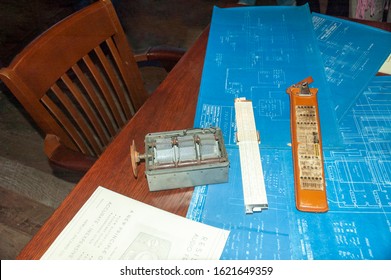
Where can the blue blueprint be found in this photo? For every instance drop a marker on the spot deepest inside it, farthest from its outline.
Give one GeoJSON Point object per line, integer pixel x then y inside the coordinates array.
{"type": "Point", "coordinates": [257, 53]}
{"type": "Point", "coordinates": [352, 53]}
{"type": "Point", "coordinates": [358, 170]}
{"type": "Point", "coordinates": [358, 178]}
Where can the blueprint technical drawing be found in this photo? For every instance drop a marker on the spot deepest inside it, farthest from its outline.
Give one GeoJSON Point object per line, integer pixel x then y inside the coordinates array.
{"type": "Point", "coordinates": [358, 182]}
{"type": "Point", "coordinates": [357, 165]}
{"type": "Point", "coordinates": [352, 53]}
{"type": "Point", "coordinates": [358, 179]}
{"type": "Point", "coordinates": [257, 53]}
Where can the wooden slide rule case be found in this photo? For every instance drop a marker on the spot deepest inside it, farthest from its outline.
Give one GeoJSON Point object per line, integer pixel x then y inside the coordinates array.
{"type": "Point", "coordinates": [310, 188]}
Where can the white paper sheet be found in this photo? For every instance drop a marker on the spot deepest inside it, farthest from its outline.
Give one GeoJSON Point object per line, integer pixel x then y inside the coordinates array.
{"type": "Point", "coordinates": [113, 226]}
{"type": "Point", "coordinates": [386, 67]}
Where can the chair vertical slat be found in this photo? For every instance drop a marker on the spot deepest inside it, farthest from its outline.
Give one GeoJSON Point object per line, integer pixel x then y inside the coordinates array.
{"type": "Point", "coordinates": [77, 117]}
{"type": "Point", "coordinates": [124, 76]}
{"type": "Point", "coordinates": [85, 105]}
{"type": "Point", "coordinates": [115, 81]}
{"type": "Point", "coordinates": [105, 90]}
{"type": "Point", "coordinates": [95, 99]}
{"type": "Point", "coordinates": [67, 124]}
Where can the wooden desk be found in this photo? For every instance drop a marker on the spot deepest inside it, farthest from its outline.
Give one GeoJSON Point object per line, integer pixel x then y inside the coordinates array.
{"type": "Point", "coordinates": [172, 106]}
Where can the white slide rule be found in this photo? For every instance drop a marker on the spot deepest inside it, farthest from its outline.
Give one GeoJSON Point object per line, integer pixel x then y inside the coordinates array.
{"type": "Point", "coordinates": [253, 182]}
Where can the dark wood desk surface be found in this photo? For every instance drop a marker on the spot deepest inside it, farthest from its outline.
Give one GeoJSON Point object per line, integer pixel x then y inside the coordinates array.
{"type": "Point", "coordinates": [172, 106]}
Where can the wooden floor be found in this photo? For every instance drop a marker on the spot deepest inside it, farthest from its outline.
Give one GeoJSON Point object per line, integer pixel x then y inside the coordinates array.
{"type": "Point", "coordinates": [29, 191]}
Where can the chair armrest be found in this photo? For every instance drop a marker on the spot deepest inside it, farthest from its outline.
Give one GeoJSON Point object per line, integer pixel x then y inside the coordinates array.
{"type": "Point", "coordinates": [65, 158]}
{"type": "Point", "coordinates": [160, 56]}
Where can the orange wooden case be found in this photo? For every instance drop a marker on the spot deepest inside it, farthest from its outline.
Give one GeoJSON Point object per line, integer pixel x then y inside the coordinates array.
{"type": "Point", "coordinates": [310, 187]}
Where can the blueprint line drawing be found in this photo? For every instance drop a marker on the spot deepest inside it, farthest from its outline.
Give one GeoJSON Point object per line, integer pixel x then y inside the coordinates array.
{"type": "Point", "coordinates": [257, 54]}
{"type": "Point", "coordinates": [358, 224]}
{"type": "Point", "coordinates": [360, 174]}
{"type": "Point", "coordinates": [247, 57]}
{"type": "Point", "coordinates": [352, 53]}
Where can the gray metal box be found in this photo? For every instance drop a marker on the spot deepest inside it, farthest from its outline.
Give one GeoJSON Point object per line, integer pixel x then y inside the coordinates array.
{"type": "Point", "coordinates": [185, 158]}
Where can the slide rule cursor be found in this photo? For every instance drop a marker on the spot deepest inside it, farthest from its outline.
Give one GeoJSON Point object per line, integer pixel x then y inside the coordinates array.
{"type": "Point", "coordinates": [310, 187]}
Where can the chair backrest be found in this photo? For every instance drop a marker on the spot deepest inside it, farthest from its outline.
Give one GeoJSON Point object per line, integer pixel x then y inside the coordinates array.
{"type": "Point", "coordinates": [79, 80]}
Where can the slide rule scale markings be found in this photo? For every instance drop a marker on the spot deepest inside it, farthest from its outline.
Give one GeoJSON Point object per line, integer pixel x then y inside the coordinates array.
{"type": "Point", "coordinates": [253, 182]}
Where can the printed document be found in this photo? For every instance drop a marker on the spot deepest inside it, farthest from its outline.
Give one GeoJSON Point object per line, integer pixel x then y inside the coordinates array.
{"type": "Point", "coordinates": [113, 226]}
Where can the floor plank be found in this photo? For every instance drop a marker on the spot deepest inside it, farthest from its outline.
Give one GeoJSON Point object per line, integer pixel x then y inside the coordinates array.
{"type": "Point", "coordinates": [11, 242]}
{"type": "Point", "coordinates": [21, 213]}
{"type": "Point", "coordinates": [32, 183]}
{"type": "Point", "coordinates": [19, 138]}
{"type": "Point", "coordinates": [20, 219]}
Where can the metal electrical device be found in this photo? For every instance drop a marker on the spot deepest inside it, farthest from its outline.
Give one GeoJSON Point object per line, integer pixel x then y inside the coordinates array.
{"type": "Point", "coordinates": [310, 187]}
{"type": "Point", "coordinates": [183, 158]}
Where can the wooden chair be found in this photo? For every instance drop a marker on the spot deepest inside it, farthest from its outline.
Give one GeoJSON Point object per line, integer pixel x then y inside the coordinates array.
{"type": "Point", "coordinates": [80, 83]}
